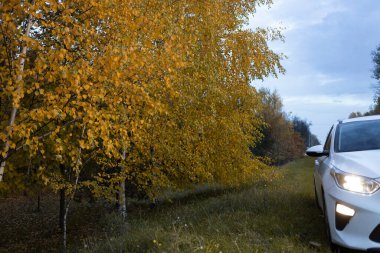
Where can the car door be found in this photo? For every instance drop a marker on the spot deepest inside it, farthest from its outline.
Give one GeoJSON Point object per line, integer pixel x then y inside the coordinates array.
{"type": "Point", "coordinates": [321, 166]}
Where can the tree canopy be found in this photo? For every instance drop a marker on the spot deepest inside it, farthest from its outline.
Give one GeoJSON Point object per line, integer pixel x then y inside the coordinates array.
{"type": "Point", "coordinates": [284, 138]}
{"type": "Point", "coordinates": [159, 89]}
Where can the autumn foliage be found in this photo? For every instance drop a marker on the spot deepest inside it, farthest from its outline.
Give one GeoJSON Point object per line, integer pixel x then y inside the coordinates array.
{"type": "Point", "coordinates": [281, 142]}
{"type": "Point", "coordinates": [155, 92]}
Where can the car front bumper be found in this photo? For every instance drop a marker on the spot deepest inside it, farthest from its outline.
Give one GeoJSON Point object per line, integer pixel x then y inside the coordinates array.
{"type": "Point", "coordinates": [362, 230]}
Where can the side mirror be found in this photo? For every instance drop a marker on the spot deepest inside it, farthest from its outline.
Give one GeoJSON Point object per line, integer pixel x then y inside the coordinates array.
{"type": "Point", "coordinates": [316, 151]}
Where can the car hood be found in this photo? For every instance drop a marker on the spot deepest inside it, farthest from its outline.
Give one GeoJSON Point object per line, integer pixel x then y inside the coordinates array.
{"type": "Point", "coordinates": [364, 163]}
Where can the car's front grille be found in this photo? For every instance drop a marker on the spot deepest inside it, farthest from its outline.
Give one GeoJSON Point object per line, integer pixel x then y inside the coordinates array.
{"type": "Point", "coordinates": [375, 234]}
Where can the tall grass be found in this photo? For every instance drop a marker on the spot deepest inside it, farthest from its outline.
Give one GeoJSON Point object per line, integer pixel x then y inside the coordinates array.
{"type": "Point", "coordinates": [276, 216]}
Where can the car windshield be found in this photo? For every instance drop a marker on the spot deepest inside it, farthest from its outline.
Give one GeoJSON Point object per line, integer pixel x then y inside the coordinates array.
{"type": "Point", "coordinates": [358, 136]}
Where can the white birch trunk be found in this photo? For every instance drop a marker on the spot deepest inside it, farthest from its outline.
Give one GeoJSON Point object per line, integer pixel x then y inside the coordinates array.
{"type": "Point", "coordinates": [12, 117]}
{"type": "Point", "coordinates": [122, 199]}
{"type": "Point", "coordinates": [79, 163]}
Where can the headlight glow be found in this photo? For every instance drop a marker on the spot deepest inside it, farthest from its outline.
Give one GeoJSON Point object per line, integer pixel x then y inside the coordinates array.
{"type": "Point", "coordinates": [345, 210]}
{"type": "Point", "coordinates": [355, 183]}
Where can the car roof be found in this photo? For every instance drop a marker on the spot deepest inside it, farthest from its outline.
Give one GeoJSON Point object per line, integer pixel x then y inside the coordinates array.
{"type": "Point", "coordinates": [364, 118]}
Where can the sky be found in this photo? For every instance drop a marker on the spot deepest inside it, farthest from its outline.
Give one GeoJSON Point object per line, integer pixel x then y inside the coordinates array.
{"type": "Point", "coordinates": [328, 44]}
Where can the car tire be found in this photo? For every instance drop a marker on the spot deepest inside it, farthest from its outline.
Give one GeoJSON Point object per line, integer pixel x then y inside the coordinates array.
{"type": "Point", "coordinates": [334, 248]}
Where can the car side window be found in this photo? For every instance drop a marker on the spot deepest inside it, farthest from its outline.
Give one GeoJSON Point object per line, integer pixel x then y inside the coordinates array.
{"type": "Point", "coordinates": [327, 145]}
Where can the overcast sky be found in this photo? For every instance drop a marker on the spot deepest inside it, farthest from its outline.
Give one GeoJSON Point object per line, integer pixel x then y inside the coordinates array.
{"type": "Point", "coordinates": [329, 45]}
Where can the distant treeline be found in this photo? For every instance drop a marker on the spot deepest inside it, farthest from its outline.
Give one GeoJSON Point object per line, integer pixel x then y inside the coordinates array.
{"type": "Point", "coordinates": [375, 108]}
{"type": "Point", "coordinates": [284, 137]}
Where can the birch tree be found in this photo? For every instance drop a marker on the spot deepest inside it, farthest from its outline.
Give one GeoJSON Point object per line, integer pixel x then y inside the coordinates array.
{"type": "Point", "coordinates": [161, 89]}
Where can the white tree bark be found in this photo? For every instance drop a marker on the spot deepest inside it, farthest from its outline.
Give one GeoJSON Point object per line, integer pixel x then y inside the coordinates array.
{"type": "Point", "coordinates": [77, 172]}
{"type": "Point", "coordinates": [122, 199]}
{"type": "Point", "coordinates": [12, 117]}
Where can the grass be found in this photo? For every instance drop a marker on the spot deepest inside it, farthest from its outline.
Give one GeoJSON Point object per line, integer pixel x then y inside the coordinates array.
{"type": "Point", "coordinates": [279, 216]}
{"type": "Point", "coordinates": [25, 229]}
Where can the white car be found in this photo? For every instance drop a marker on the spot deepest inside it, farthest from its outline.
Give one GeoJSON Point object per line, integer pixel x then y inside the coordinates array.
{"type": "Point", "coordinates": [347, 183]}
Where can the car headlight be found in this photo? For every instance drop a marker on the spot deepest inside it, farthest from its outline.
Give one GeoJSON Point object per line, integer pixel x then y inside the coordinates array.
{"type": "Point", "coordinates": [355, 183]}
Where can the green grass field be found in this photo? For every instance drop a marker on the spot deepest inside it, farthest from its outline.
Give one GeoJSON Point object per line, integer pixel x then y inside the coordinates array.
{"type": "Point", "coordinates": [279, 216]}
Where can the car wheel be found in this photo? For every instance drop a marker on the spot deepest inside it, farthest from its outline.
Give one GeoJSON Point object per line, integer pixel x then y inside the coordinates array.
{"type": "Point", "coordinates": [334, 248]}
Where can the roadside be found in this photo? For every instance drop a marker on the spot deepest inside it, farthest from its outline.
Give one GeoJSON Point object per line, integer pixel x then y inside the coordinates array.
{"type": "Point", "coordinates": [276, 216]}
{"type": "Point", "coordinates": [279, 216]}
